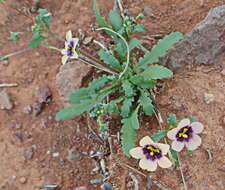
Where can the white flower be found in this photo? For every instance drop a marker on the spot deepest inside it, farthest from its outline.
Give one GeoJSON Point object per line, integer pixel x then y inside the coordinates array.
{"type": "Point", "coordinates": [185, 134]}
{"type": "Point", "coordinates": [151, 154]}
{"type": "Point", "coordinates": [70, 48]}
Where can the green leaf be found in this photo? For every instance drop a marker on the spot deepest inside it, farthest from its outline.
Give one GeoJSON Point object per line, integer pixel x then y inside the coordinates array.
{"type": "Point", "coordinates": [80, 95]}
{"type": "Point", "coordinates": [172, 120]}
{"type": "Point", "coordinates": [110, 60]}
{"type": "Point", "coordinates": [36, 41]}
{"type": "Point", "coordinates": [44, 18]}
{"type": "Point", "coordinates": [146, 103]}
{"type": "Point", "coordinates": [126, 107]}
{"type": "Point", "coordinates": [156, 137]}
{"type": "Point", "coordinates": [121, 49]}
{"type": "Point", "coordinates": [115, 20]}
{"type": "Point", "coordinates": [134, 42]}
{"type": "Point", "coordinates": [193, 119]}
{"type": "Point", "coordinates": [74, 111]}
{"type": "Point", "coordinates": [141, 82]}
{"type": "Point", "coordinates": [139, 28]}
{"type": "Point", "coordinates": [4, 58]}
{"type": "Point", "coordinates": [159, 50]}
{"type": "Point", "coordinates": [112, 107]}
{"type": "Point", "coordinates": [99, 18]}
{"type": "Point", "coordinates": [174, 157]}
{"type": "Point", "coordinates": [128, 89]}
{"type": "Point", "coordinates": [128, 137]}
{"type": "Point", "coordinates": [157, 72]}
{"type": "Point", "coordinates": [190, 152]}
{"type": "Point", "coordinates": [129, 131]}
{"type": "Point", "coordinates": [98, 83]}
{"type": "Point", "coordinates": [14, 36]}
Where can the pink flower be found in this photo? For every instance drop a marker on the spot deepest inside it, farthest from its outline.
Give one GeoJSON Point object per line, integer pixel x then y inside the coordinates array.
{"type": "Point", "coordinates": [185, 134]}
{"type": "Point", "coordinates": [151, 154]}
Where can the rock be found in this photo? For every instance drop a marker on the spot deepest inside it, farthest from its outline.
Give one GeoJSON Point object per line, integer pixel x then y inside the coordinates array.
{"type": "Point", "coordinates": [87, 40]}
{"type": "Point", "coordinates": [38, 108]}
{"type": "Point", "coordinates": [18, 136]}
{"type": "Point", "coordinates": [106, 186]}
{"type": "Point", "coordinates": [72, 154]}
{"type": "Point", "coordinates": [5, 102]}
{"type": "Point", "coordinates": [23, 180]}
{"type": "Point", "coordinates": [70, 78]}
{"type": "Point", "coordinates": [28, 109]}
{"type": "Point", "coordinates": [148, 11]}
{"type": "Point", "coordinates": [224, 120]}
{"type": "Point", "coordinates": [43, 94]}
{"type": "Point", "coordinates": [205, 44]}
{"type": "Point", "coordinates": [16, 125]}
{"type": "Point", "coordinates": [81, 188]}
{"type": "Point", "coordinates": [208, 98]}
{"type": "Point", "coordinates": [28, 154]}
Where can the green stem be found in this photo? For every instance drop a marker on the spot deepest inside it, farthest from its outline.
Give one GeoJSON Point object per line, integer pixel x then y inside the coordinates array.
{"type": "Point", "coordinates": [127, 46]}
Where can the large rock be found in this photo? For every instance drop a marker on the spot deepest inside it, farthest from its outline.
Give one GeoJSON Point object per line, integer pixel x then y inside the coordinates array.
{"type": "Point", "coordinates": [204, 45]}
{"type": "Point", "coordinates": [70, 78]}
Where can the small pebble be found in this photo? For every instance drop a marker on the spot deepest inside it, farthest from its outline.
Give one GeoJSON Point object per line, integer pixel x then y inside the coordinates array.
{"type": "Point", "coordinates": [18, 136]}
{"type": "Point", "coordinates": [148, 11]}
{"type": "Point", "coordinates": [81, 188]}
{"type": "Point", "coordinates": [28, 109]}
{"type": "Point", "coordinates": [208, 98]}
{"type": "Point", "coordinates": [96, 181]}
{"type": "Point", "coordinates": [55, 154]}
{"type": "Point", "coordinates": [23, 180]}
{"type": "Point", "coordinates": [223, 72]}
{"type": "Point", "coordinates": [28, 154]}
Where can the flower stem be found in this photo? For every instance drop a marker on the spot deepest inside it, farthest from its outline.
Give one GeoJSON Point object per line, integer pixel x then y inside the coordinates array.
{"type": "Point", "coordinates": [16, 53]}
{"type": "Point", "coordinates": [127, 46]}
{"type": "Point", "coordinates": [7, 4]}
{"type": "Point", "coordinates": [181, 171]}
{"type": "Point", "coordinates": [95, 64]}
{"type": "Point", "coordinates": [160, 121]}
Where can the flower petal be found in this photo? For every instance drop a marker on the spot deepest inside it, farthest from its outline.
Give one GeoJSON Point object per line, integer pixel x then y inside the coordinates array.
{"type": "Point", "coordinates": [75, 41]}
{"type": "Point", "coordinates": [194, 143]}
{"type": "Point", "coordinates": [148, 164]}
{"type": "Point", "coordinates": [69, 36]}
{"type": "Point", "coordinates": [146, 140]}
{"type": "Point", "coordinates": [183, 123]}
{"type": "Point", "coordinates": [63, 51]}
{"type": "Point", "coordinates": [178, 146]}
{"type": "Point", "coordinates": [164, 162]}
{"type": "Point", "coordinates": [163, 147]}
{"type": "Point", "coordinates": [197, 127]}
{"type": "Point", "coordinates": [64, 59]}
{"type": "Point", "coordinates": [172, 133]}
{"type": "Point", "coordinates": [137, 153]}
{"type": "Point", "coordinates": [75, 55]}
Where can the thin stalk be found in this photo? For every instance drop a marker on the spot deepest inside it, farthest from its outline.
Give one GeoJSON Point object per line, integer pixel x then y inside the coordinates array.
{"type": "Point", "coordinates": [160, 121]}
{"type": "Point", "coordinates": [7, 4]}
{"type": "Point", "coordinates": [127, 46]}
{"type": "Point", "coordinates": [16, 53]}
{"type": "Point", "coordinates": [96, 65]}
{"type": "Point", "coordinates": [182, 174]}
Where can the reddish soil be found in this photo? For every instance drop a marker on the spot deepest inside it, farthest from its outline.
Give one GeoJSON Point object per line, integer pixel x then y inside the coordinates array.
{"type": "Point", "coordinates": [183, 95]}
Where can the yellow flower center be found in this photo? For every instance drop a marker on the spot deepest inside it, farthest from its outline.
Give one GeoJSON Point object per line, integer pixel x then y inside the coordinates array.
{"type": "Point", "coordinates": [153, 150]}
{"type": "Point", "coordinates": [183, 134]}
